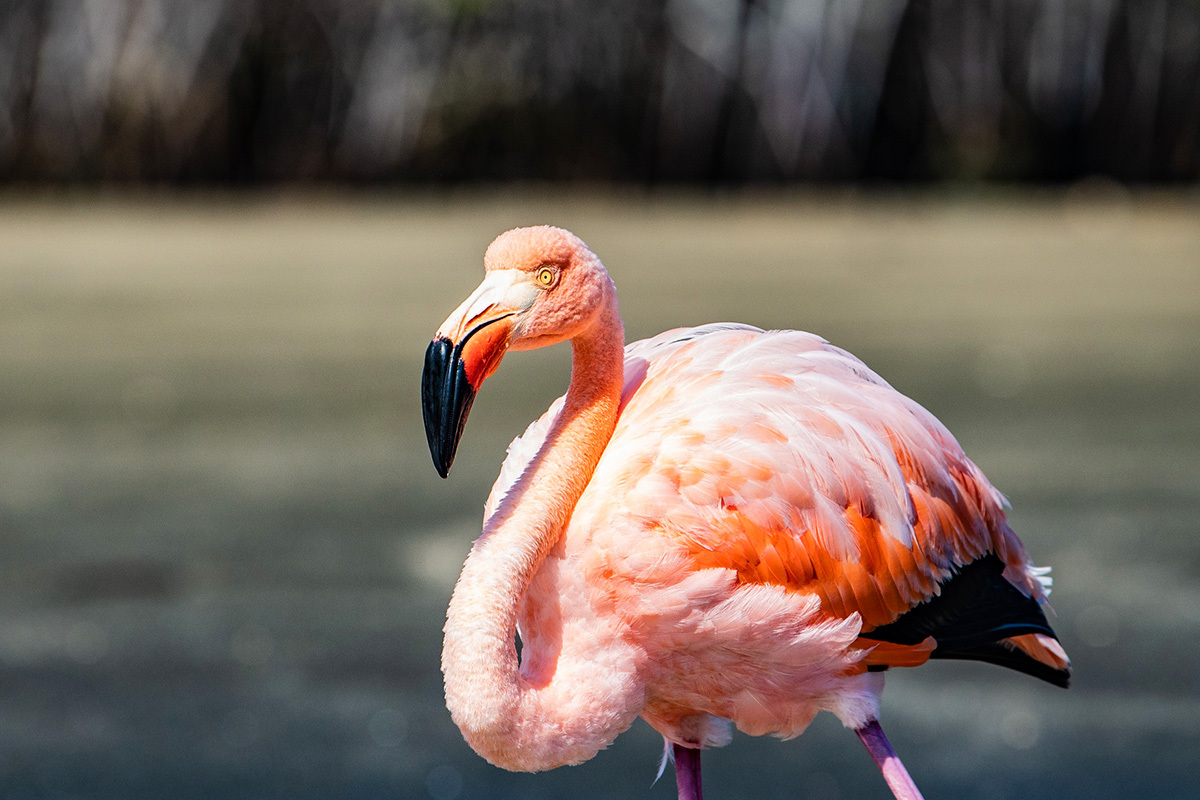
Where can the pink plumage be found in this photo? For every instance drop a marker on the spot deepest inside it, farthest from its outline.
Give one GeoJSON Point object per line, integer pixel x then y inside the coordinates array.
{"type": "Point", "coordinates": [716, 527]}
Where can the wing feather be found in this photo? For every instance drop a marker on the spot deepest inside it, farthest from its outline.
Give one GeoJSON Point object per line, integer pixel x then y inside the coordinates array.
{"type": "Point", "coordinates": [787, 460]}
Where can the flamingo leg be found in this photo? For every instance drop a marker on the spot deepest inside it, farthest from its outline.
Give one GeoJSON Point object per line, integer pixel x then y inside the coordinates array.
{"type": "Point", "coordinates": [897, 777]}
{"type": "Point", "coordinates": [687, 773]}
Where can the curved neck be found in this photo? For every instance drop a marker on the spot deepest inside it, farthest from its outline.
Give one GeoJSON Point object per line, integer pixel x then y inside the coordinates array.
{"type": "Point", "coordinates": [504, 717]}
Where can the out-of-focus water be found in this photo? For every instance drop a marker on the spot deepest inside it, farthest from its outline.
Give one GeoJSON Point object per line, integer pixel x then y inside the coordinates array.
{"type": "Point", "coordinates": [226, 554]}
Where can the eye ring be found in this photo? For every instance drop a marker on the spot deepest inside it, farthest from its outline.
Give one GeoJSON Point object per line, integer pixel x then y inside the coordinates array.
{"type": "Point", "coordinates": [546, 277]}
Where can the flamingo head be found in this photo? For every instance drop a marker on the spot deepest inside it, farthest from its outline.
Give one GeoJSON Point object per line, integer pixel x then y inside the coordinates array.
{"type": "Point", "coordinates": [542, 286]}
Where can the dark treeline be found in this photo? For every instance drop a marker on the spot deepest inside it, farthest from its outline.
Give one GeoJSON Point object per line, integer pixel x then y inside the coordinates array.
{"type": "Point", "coordinates": [247, 91]}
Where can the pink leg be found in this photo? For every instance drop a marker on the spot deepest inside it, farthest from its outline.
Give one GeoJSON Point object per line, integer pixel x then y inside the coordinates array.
{"type": "Point", "coordinates": [894, 773]}
{"type": "Point", "coordinates": [687, 773]}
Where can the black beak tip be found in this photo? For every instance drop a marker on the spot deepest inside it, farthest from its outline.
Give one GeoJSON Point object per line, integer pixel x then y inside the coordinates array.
{"type": "Point", "coordinates": [443, 470]}
{"type": "Point", "coordinates": [446, 398]}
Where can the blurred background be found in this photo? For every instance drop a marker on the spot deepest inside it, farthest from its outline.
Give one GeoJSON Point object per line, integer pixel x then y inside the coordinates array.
{"type": "Point", "coordinates": [229, 228]}
{"type": "Point", "coordinates": [645, 91]}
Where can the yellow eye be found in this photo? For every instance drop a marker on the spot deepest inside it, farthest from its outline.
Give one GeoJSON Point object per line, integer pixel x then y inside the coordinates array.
{"type": "Point", "coordinates": [546, 277]}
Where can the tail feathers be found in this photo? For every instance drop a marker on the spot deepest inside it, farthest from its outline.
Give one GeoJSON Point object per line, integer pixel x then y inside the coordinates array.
{"type": "Point", "coordinates": [979, 615]}
{"type": "Point", "coordinates": [1045, 649]}
{"type": "Point", "coordinates": [1055, 669]}
{"type": "Point", "coordinates": [882, 655]}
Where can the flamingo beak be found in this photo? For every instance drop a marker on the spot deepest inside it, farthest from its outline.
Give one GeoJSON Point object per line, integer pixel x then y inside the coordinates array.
{"type": "Point", "coordinates": [466, 350]}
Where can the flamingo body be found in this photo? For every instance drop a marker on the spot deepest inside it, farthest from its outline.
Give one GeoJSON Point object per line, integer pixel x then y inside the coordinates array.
{"type": "Point", "coordinates": [765, 497]}
{"type": "Point", "coordinates": [717, 526]}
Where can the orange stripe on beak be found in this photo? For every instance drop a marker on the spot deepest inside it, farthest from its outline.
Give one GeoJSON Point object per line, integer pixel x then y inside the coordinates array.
{"type": "Point", "coordinates": [483, 349]}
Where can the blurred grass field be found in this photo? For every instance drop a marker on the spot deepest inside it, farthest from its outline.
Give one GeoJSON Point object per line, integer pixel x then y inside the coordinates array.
{"type": "Point", "coordinates": [227, 554]}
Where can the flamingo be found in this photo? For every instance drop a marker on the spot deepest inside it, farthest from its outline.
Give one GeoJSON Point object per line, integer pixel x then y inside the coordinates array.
{"type": "Point", "coordinates": [719, 526]}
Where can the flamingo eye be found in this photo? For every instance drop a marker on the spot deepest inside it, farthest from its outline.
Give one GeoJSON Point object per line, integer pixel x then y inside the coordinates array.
{"type": "Point", "coordinates": [546, 277]}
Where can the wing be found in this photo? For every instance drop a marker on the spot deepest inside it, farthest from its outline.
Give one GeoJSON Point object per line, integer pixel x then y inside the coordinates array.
{"type": "Point", "coordinates": [787, 460]}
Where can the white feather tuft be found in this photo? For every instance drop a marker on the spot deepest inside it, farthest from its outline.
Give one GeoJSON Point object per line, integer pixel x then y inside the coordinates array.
{"type": "Point", "coordinates": [667, 756]}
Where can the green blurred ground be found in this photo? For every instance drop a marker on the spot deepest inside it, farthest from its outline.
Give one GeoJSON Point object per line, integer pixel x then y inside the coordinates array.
{"type": "Point", "coordinates": [226, 554]}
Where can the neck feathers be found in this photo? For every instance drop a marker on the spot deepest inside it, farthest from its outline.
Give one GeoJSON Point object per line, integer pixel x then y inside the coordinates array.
{"type": "Point", "coordinates": [503, 717]}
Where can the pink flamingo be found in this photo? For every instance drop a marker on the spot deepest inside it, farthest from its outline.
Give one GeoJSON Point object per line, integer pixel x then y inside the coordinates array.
{"type": "Point", "coordinates": [717, 526]}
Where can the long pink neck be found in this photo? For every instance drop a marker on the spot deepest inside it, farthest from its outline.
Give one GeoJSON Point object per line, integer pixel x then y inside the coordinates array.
{"type": "Point", "coordinates": [506, 718]}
